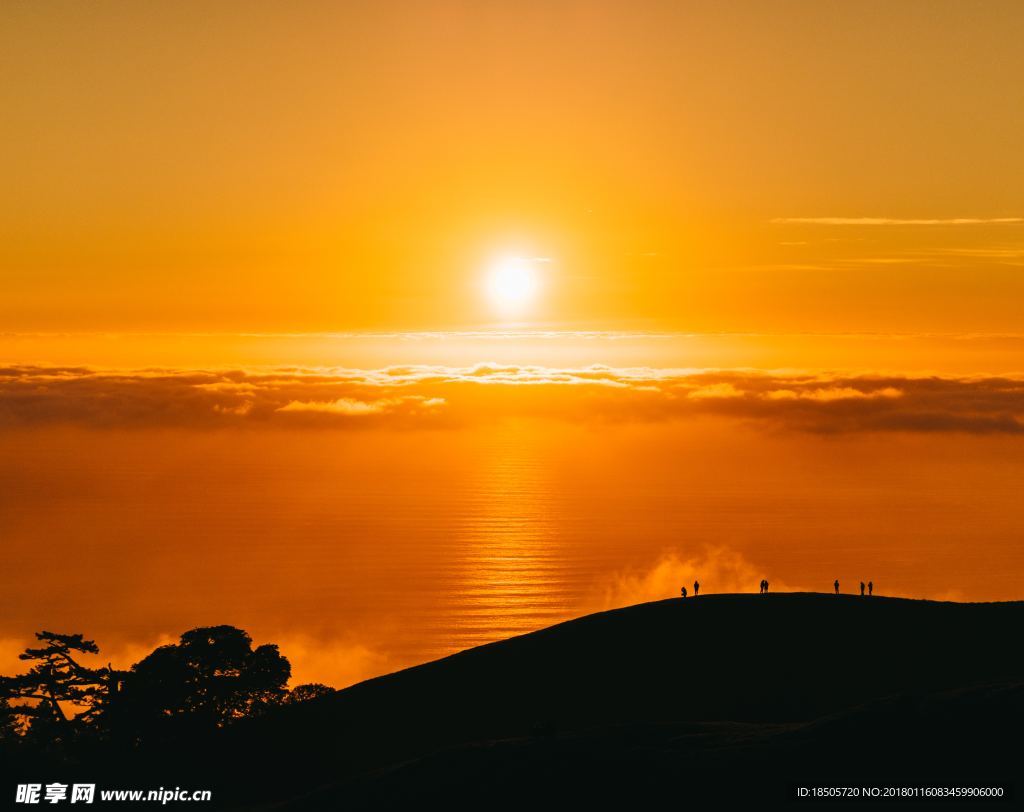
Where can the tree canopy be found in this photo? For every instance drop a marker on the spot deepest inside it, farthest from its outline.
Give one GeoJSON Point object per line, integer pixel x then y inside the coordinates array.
{"type": "Point", "coordinates": [55, 680]}
{"type": "Point", "coordinates": [210, 678]}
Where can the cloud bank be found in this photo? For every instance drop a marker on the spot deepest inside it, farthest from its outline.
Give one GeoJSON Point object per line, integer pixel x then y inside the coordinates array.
{"type": "Point", "coordinates": [439, 396]}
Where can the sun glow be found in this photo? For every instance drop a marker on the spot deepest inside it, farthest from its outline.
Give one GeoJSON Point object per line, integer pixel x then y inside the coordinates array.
{"type": "Point", "coordinates": [512, 284]}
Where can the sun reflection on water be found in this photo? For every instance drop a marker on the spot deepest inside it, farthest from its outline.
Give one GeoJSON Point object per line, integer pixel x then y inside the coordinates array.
{"type": "Point", "coordinates": [511, 574]}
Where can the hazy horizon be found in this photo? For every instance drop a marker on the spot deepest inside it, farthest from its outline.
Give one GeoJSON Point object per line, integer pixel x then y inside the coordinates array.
{"type": "Point", "coordinates": [368, 519]}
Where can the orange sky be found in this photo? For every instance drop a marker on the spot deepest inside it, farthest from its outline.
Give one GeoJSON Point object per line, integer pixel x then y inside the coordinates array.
{"type": "Point", "coordinates": [384, 329]}
{"type": "Point", "coordinates": [338, 166]}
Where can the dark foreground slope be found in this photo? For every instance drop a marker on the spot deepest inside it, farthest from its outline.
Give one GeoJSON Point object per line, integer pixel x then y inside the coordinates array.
{"type": "Point", "coordinates": [719, 699]}
{"type": "Point", "coordinates": [725, 694]}
{"type": "Point", "coordinates": [968, 738]}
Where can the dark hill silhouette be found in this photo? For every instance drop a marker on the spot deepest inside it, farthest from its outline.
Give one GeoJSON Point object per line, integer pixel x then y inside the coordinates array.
{"type": "Point", "coordinates": [593, 690]}
{"type": "Point", "coordinates": [963, 738]}
{"type": "Point", "coordinates": [717, 698]}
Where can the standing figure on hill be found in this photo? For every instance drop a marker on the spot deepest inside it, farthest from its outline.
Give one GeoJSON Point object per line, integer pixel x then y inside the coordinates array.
{"type": "Point", "coordinates": [696, 588]}
{"type": "Point", "coordinates": [871, 587]}
{"type": "Point", "coordinates": [836, 585]}
{"type": "Point", "coordinates": [765, 586]}
{"type": "Point", "coordinates": [760, 587]}
{"type": "Point", "coordinates": [862, 589]}
{"type": "Point", "coordinates": [683, 591]}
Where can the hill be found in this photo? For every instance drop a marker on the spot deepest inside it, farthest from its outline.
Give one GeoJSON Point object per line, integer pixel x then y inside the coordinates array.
{"type": "Point", "coordinates": [677, 696]}
{"type": "Point", "coordinates": [721, 699]}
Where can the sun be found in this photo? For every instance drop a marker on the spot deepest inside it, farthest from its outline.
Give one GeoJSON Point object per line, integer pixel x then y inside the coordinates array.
{"type": "Point", "coordinates": [512, 284]}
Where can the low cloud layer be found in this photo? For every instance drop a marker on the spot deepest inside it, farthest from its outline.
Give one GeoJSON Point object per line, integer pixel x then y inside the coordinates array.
{"type": "Point", "coordinates": [439, 397]}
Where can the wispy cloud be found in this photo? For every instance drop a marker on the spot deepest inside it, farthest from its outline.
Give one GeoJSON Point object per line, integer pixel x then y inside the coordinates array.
{"type": "Point", "coordinates": [430, 396]}
{"type": "Point", "coordinates": [896, 221]}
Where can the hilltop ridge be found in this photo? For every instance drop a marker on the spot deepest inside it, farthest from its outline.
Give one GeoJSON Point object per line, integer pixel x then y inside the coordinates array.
{"type": "Point", "coordinates": [721, 698]}
{"type": "Point", "coordinates": [696, 684]}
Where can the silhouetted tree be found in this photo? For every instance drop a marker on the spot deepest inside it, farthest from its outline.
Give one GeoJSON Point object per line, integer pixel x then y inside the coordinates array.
{"type": "Point", "coordinates": [57, 678]}
{"type": "Point", "coordinates": [307, 691]}
{"type": "Point", "coordinates": [9, 725]}
{"type": "Point", "coordinates": [212, 677]}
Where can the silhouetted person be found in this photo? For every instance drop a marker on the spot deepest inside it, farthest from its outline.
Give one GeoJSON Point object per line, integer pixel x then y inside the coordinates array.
{"type": "Point", "coordinates": [696, 588]}
{"type": "Point", "coordinates": [871, 587]}
{"type": "Point", "coordinates": [765, 586]}
{"type": "Point", "coordinates": [862, 589]}
{"type": "Point", "coordinates": [760, 587]}
{"type": "Point", "coordinates": [836, 585]}
{"type": "Point", "coordinates": [683, 591]}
